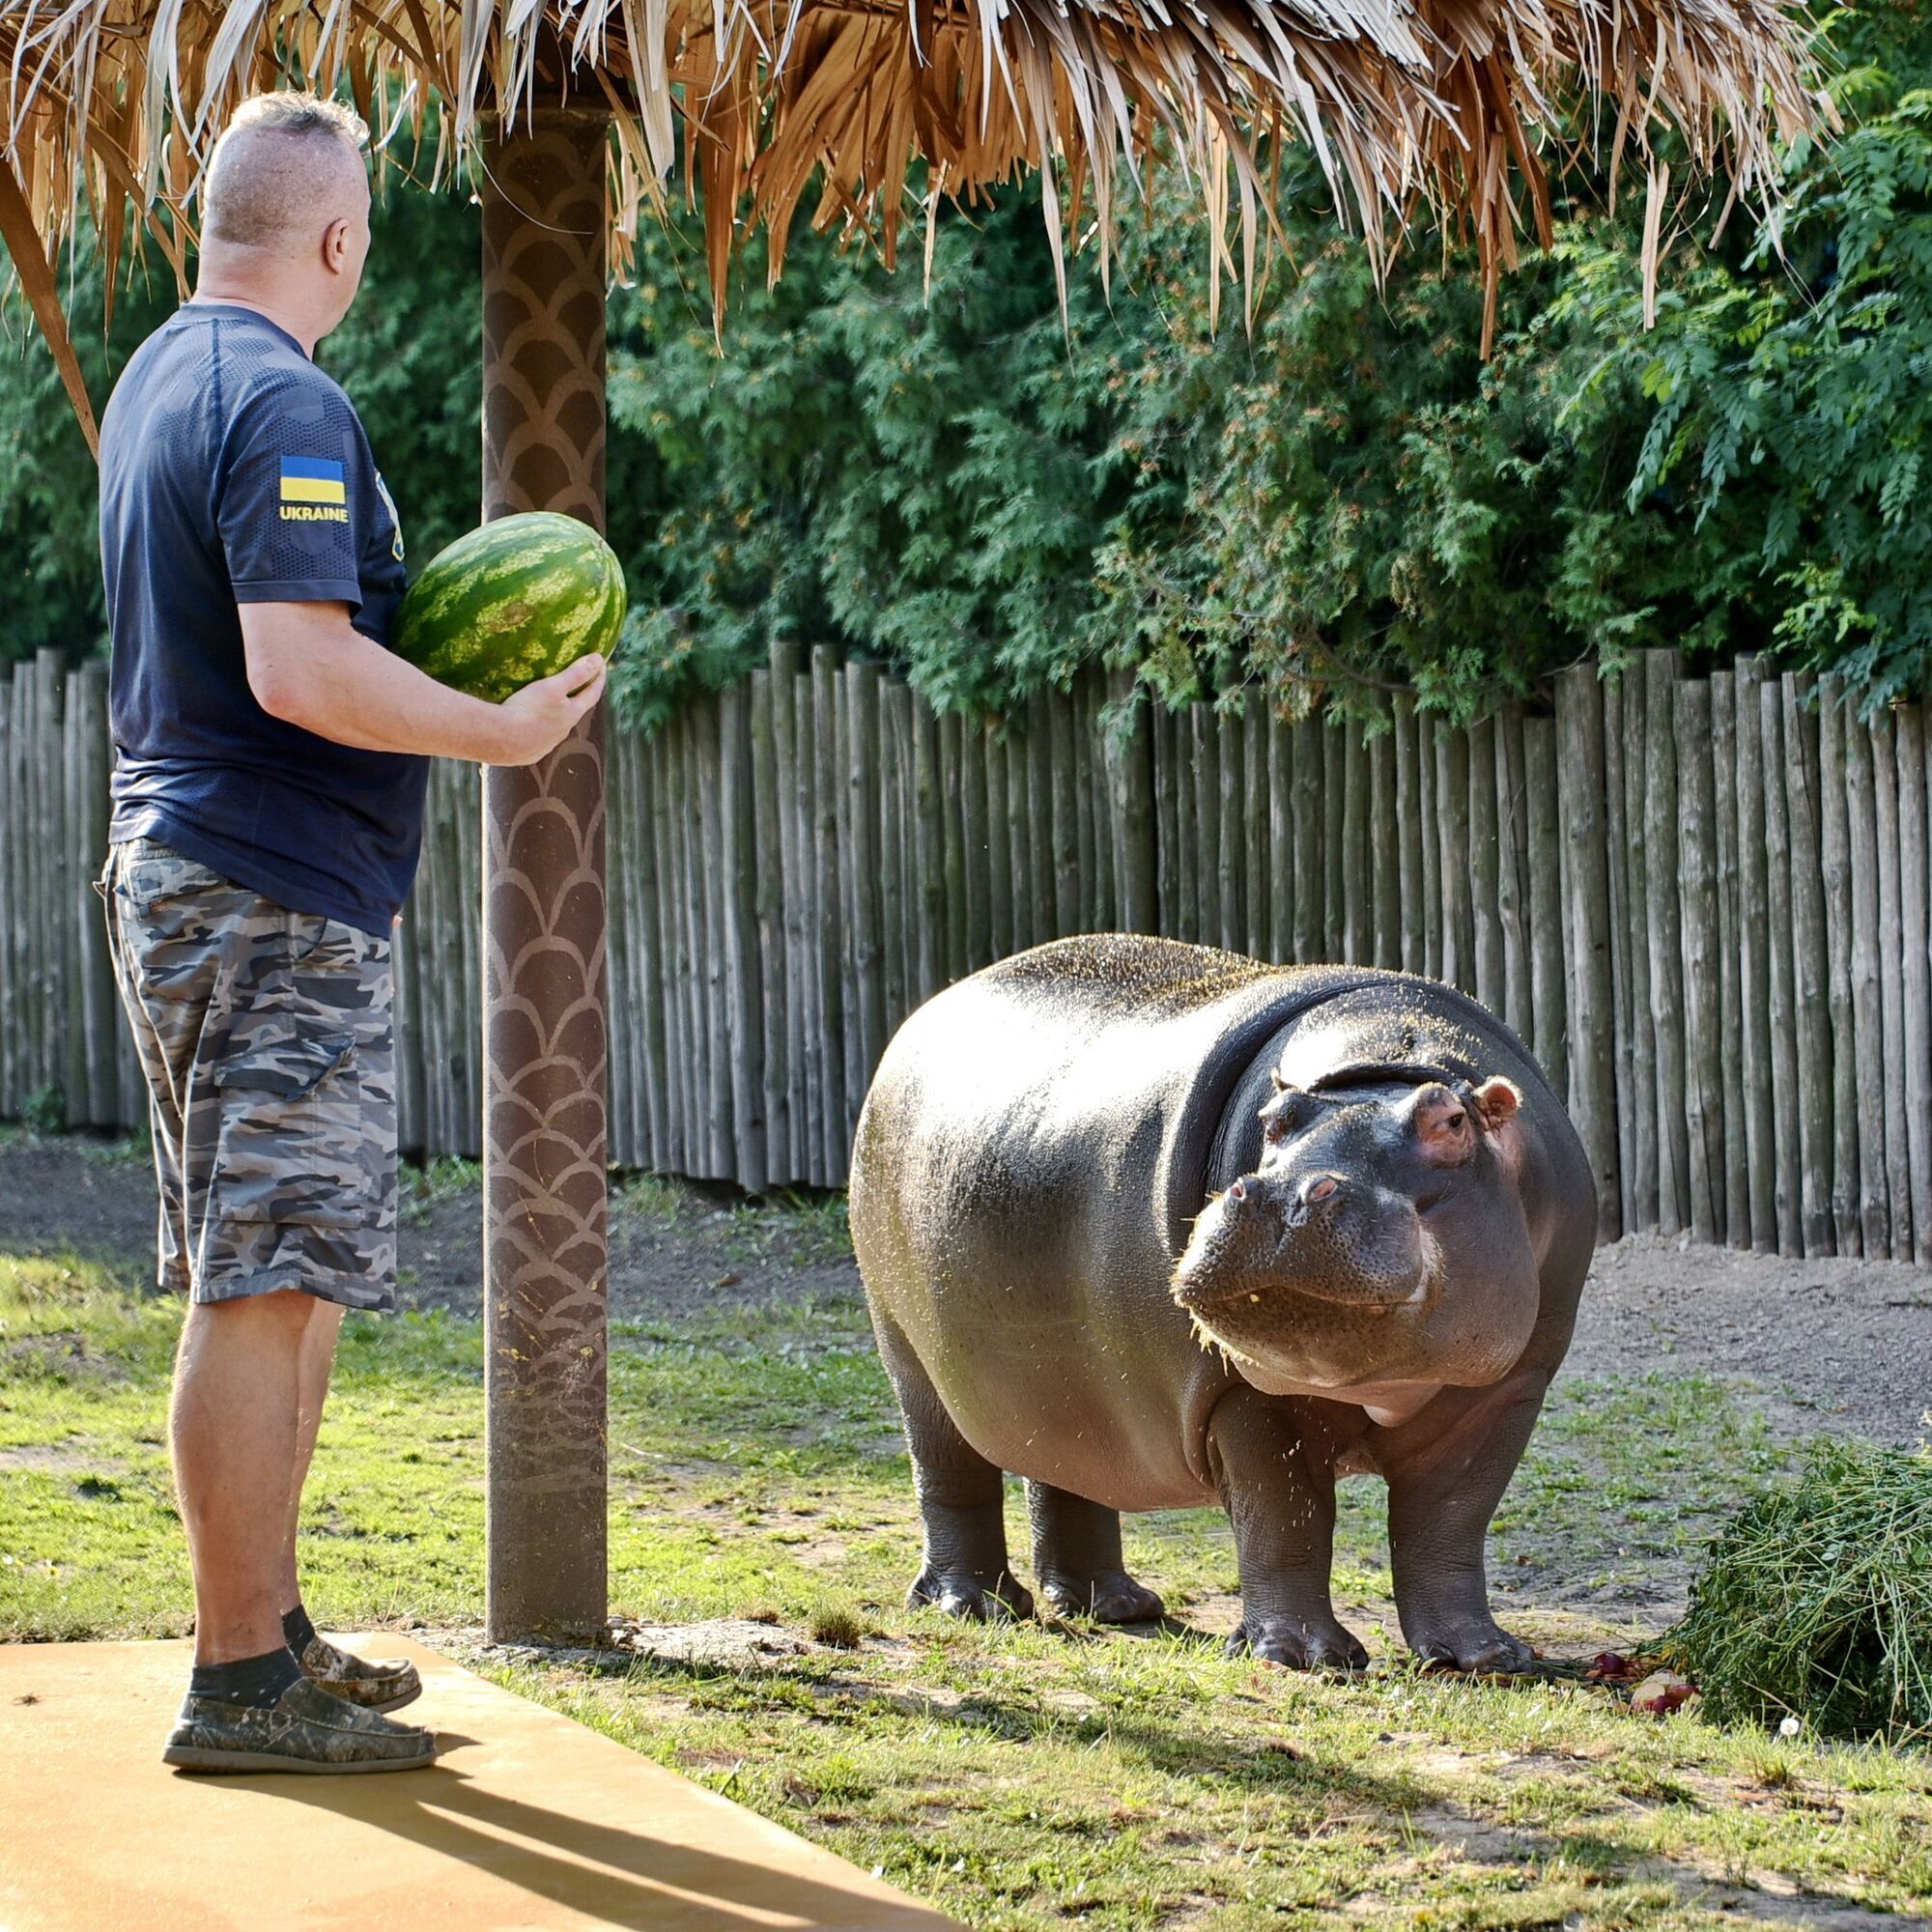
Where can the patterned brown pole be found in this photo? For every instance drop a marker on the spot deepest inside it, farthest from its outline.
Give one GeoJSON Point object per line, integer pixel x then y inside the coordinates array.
{"type": "Point", "coordinates": [544, 1041]}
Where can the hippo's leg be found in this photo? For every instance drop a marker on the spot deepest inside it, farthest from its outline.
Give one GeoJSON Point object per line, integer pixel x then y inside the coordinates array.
{"type": "Point", "coordinates": [1077, 1560]}
{"type": "Point", "coordinates": [1441, 1497]}
{"type": "Point", "coordinates": [961, 1499]}
{"type": "Point", "coordinates": [1278, 1484]}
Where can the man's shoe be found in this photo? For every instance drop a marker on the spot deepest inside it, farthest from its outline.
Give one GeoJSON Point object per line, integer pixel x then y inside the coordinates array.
{"type": "Point", "coordinates": [305, 1729]}
{"type": "Point", "coordinates": [384, 1684]}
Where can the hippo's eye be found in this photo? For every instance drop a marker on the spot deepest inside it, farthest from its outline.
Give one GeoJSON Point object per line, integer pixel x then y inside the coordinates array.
{"type": "Point", "coordinates": [1454, 1122]}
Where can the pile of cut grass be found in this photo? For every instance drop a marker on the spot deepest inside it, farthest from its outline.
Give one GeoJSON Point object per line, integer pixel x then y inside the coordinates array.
{"type": "Point", "coordinates": [1816, 1601]}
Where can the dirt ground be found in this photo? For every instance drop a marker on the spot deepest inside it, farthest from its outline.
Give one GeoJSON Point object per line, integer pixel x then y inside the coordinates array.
{"type": "Point", "coordinates": [1839, 1344]}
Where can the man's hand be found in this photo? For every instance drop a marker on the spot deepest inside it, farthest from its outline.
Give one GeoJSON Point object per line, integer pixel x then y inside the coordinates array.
{"type": "Point", "coordinates": [310, 666]}
{"type": "Point", "coordinates": [539, 717]}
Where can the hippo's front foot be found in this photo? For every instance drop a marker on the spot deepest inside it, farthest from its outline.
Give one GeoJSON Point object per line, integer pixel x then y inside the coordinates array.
{"type": "Point", "coordinates": [1112, 1597]}
{"type": "Point", "coordinates": [980, 1600]}
{"type": "Point", "coordinates": [1441, 1497]}
{"type": "Point", "coordinates": [1472, 1642]}
{"type": "Point", "coordinates": [1301, 1643]}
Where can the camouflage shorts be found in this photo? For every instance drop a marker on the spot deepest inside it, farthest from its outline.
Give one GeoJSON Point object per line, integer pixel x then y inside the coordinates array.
{"type": "Point", "coordinates": [264, 1037]}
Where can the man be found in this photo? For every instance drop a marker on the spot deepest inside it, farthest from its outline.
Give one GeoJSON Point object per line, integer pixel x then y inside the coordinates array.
{"type": "Point", "coordinates": [268, 811]}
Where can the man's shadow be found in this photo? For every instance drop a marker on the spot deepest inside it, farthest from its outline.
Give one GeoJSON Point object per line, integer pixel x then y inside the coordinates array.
{"type": "Point", "coordinates": [614, 1876]}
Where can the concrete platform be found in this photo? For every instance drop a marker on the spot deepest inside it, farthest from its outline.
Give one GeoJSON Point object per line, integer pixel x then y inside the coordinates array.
{"type": "Point", "coordinates": [528, 1823]}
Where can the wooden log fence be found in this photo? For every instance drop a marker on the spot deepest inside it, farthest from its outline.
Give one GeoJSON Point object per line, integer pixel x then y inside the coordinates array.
{"type": "Point", "coordinates": [1704, 903]}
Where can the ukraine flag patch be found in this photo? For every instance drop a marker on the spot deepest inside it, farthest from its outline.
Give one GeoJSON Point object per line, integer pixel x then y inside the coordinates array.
{"type": "Point", "coordinates": [314, 491]}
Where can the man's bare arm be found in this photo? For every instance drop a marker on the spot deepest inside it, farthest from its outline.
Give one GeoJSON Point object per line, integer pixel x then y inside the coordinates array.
{"type": "Point", "coordinates": [309, 666]}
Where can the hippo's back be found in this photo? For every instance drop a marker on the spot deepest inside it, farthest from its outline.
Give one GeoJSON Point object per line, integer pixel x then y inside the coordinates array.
{"type": "Point", "coordinates": [1029, 1155]}
{"type": "Point", "coordinates": [1033, 1088]}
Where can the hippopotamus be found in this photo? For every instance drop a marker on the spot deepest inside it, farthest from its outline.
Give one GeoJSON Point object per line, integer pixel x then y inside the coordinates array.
{"type": "Point", "coordinates": [1153, 1226]}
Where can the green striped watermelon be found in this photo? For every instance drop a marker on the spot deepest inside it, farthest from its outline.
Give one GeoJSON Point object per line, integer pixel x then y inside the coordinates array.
{"type": "Point", "coordinates": [510, 603]}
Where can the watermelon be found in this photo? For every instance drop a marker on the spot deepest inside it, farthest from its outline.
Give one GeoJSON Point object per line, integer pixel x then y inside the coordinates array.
{"type": "Point", "coordinates": [511, 603]}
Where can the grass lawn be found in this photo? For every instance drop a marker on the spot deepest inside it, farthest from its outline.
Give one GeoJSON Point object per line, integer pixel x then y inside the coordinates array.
{"type": "Point", "coordinates": [1016, 1777]}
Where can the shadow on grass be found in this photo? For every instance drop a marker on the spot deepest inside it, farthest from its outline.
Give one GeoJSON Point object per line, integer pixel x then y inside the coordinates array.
{"type": "Point", "coordinates": [1415, 1804]}
{"type": "Point", "coordinates": [1166, 1747]}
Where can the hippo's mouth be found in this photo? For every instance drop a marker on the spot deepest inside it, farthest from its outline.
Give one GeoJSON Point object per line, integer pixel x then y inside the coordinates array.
{"type": "Point", "coordinates": [1253, 1269]}
{"type": "Point", "coordinates": [1264, 1305]}
{"type": "Point", "coordinates": [1285, 1339]}
{"type": "Point", "coordinates": [1278, 1293]}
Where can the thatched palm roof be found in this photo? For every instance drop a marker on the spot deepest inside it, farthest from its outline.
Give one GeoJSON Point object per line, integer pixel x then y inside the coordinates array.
{"type": "Point", "coordinates": [1452, 102]}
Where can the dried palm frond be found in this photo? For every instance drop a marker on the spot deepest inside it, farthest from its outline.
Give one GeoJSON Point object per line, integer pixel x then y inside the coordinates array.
{"type": "Point", "coordinates": [1448, 104]}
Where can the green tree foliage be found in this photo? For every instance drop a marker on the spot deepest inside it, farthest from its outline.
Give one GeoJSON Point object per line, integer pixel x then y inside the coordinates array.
{"type": "Point", "coordinates": [1344, 496]}
{"type": "Point", "coordinates": [975, 488]}
{"type": "Point", "coordinates": [1353, 499]}
{"type": "Point", "coordinates": [1791, 408]}
{"type": "Point", "coordinates": [925, 480]}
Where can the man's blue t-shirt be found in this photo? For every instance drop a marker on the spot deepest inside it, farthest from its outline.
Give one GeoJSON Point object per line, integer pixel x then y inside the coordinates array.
{"type": "Point", "coordinates": [234, 472]}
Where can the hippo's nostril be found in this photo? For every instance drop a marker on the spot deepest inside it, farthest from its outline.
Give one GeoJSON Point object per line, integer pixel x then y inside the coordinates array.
{"type": "Point", "coordinates": [1322, 1188]}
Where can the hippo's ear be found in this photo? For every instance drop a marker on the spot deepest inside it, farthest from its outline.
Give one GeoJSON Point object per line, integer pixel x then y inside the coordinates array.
{"type": "Point", "coordinates": [1497, 1100]}
{"type": "Point", "coordinates": [1443, 1127]}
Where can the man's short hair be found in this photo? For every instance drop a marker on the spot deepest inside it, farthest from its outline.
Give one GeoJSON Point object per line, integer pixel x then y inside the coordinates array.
{"type": "Point", "coordinates": [271, 172]}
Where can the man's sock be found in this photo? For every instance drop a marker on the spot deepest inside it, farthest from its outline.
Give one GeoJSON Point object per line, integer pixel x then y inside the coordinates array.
{"type": "Point", "coordinates": [297, 1630]}
{"type": "Point", "coordinates": [250, 1680]}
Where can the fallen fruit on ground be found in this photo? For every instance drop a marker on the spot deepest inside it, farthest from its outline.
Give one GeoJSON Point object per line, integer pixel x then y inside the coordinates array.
{"type": "Point", "coordinates": [1662, 1692]}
